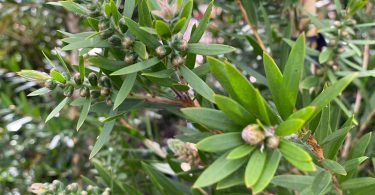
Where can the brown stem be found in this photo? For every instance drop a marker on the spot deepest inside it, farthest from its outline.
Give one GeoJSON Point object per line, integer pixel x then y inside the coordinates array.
{"type": "Point", "coordinates": [318, 151]}
{"type": "Point", "coordinates": [252, 26]}
{"type": "Point", "coordinates": [365, 61]}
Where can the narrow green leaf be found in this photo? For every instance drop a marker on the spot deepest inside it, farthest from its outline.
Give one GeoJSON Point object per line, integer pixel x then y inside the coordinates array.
{"type": "Point", "coordinates": [103, 137]}
{"type": "Point", "coordinates": [142, 65]}
{"type": "Point", "coordinates": [293, 182]}
{"type": "Point", "coordinates": [186, 10]}
{"type": "Point", "coordinates": [218, 170]}
{"type": "Point", "coordinates": [74, 7]}
{"type": "Point", "coordinates": [289, 126]}
{"type": "Point", "coordinates": [234, 179]}
{"type": "Point", "coordinates": [165, 185]}
{"type": "Point", "coordinates": [57, 76]}
{"type": "Point", "coordinates": [240, 151]}
{"type": "Point", "coordinates": [162, 29]}
{"type": "Point", "coordinates": [57, 109]}
{"type": "Point", "coordinates": [124, 91]}
{"type": "Point", "coordinates": [321, 183]}
{"type": "Point", "coordinates": [296, 156]}
{"type": "Point", "coordinates": [331, 92]}
{"type": "Point", "coordinates": [144, 14]}
{"type": "Point", "coordinates": [140, 49]}
{"type": "Point", "coordinates": [115, 14]}
{"type": "Point", "coordinates": [197, 34]}
{"type": "Point", "coordinates": [272, 162]}
{"type": "Point", "coordinates": [209, 49]}
{"type": "Point", "coordinates": [106, 64]}
{"type": "Point", "coordinates": [218, 70]}
{"type": "Point", "coordinates": [304, 114]}
{"type": "Point", "coordinates": [211, 118]}
{"type": "Point", "coordinates": [81, 68]}
{"type": "Point", "coordinates": [146, 38]}
{"type": "Point", "coordinates": [352, 164]}
{"type": "Point", "coordinates": [38, 92]}
{"type": "Point", "coordinates": [49, 60]}
{"type": "Point", "coordinates": [160, 74]}
{"type": "Point", "coordinates": [334, 166]}
{"type": "Point", "coordinates": [233, 110]}
{"type": "Point", "coordinates": [220, 142]}
{"type": "Point", "coordinates": [197, 83]}
{"type": "Point", "coordinates": [84, 112]}
{"type": "Point", "coordinates": [359, 148]}
{"type": "Point", "coordinates": [129, 8]}
{"type": "Point", "coordinates": [276, 86]}
{"type": "Point", "coordinates": [356, 183]}
{"type": "Point", "coordinates": [177, 27]}
{"type": "Point", "coordinates": [294, 68]}
{"type": "Point", "coordinates": [325, 55]}
{"type": "Point", "coordinates": [254, 167]}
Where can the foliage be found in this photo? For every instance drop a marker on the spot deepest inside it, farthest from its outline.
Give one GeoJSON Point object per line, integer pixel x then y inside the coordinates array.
{"type": "Point", "coordinates": [293, 117]}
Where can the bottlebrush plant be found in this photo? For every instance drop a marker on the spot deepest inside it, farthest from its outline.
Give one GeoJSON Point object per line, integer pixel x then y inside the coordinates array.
{"type": "Point", "coordinates": [241, 136]}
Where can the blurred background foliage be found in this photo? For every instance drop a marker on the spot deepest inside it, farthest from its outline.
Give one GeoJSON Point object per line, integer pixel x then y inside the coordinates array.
{"type": "Point", "coordinates": [32, 151]}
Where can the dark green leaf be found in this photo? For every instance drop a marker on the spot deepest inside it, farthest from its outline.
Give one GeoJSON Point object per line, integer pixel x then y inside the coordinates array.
{"type": "Point", "coordinates": [356, 183]}
{"type": "Point", "coordinates": [293, 182]}
{"type": "Point", "coordinates": [254, 167]}
{"type": "Point", "coordinates": [57, 109]}
{"type": "Point", "coordinates": [162, 29]}
{"type": "Point", "coordinates": [296, 156]}
{"type": "Point", "coordinates": [124, 91]}
{"type": "Point", "coordinates": [233, 110]}
{"type": "Point", "coordinates": [325, 55]}
{"type": "Point", "coordinates": [211, 118]}
{"type": "Point", "coordinates": [84, 112]}
{"type": "Point", "coordinates": [220, 142]}
{"type": "Point", "coordinates": [240, 151]}
{"type": "Point", "coordinates": [321, 183]}
{"type": "Point", "coordinates": [146, 38]}
{"type": "Point", "coordinates": [334, 166]}
{"type": "Point", "coordinates": [209, 49]}
{"type": "Point", "coordinates": [197, 34]}
{"type": "Point", "coordinates": [142, 65]}
{"type": "Point", "coordinates": [140, 49]}
{"type": "Point", "coordinates": [144, 14]}
{"type": "Point", "coordinates": [197, 83]}
{"type": "Point", "coordinates": [218, 170]}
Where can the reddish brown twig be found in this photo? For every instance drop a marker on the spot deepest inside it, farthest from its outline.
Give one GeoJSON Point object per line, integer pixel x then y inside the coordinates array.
{"type": "Point", "coordinates": [252, 26]}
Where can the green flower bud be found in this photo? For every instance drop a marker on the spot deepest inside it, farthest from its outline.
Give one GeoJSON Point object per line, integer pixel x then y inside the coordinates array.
{"type": "Point", "coordinates": [84, 92]}
{"type": "Point", "coordinates": [50, 84]}
{"type": "Point", "coordinates": [68, 90]}
{"type": "Point", "coordinates": [77, 79]}
{"type": "Point", "coordinates": [252, 134]}
{"type": "Point", "coordinates": [93, 79]}
{"type": "Point", "coordinates": [273, 142]}
{"type": "Point", "coordinates": [105, 82]}
{"type": "Point", "coordinates": [178, 60]}
{"type": "Point", "coordinates": [94, 94]}
{"type": "Point", "coordinates": [130, 58]}
{"type": "Point", "coordinates": [109, 101]}
{"type": "Point", "coordinates": [115, 40]}
{"type": "Point", "coordinates": [161, 51]}
{"type": "Point", "coordinates": [122, 25]}
{"type": "Point", "coordinates": [104, 91]}
{"type": "Point", "coordinates": [127, 42]}
{"type": "Point", "coordinates": [182, 45]}
{"type": "Point", "coordinates": [332, 42]}
{"type": "Point", "coordinates": [106, 34]}
{"type": "Point", "coordinates": [344, 34]}
{"type": "Point", "coordinates": [103, 25]}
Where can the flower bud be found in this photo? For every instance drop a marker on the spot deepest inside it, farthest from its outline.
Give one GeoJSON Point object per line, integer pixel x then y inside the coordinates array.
{"type": "Point", "coordinates": [122, 25]}
{"type": "Point", "coordinates": [127, 42]}
{"type": "Point", "coordinates": [84, 92]}
{"type": "Point", "coordinates": [130, 58]}
{"type": "Point", "coordinates": [252, 134]}
{"type": "Point", "coordinates": [93, 79]}
{"type": "Point", "coordinates": [332, 42]}
{"type": "Point", "coordinates": [104, 91]}
{"type": "Point", "coordinates": [68, 90]}
{"type": "Point", "coordinates": [103, 25]}
{"type": "Point", "coordinates": [273, 142]}
{"type": "Point", "coordinates": [115, 40]}
{"type": "Point", "coordinates": [337, 24]}
{"type": "Point", "coordinates": [109, 101]}
{"type": "Point", "coordinates": [50, 84]}
{"type": "Point", "coordinates": [94, 94]}
{"type": "Point", "coordinates": [182, 45]}
{"type": "Point", "coordinates": [77, 79]}
{"type": "Point", "coordinates": [344, 33]}
{"type": "Point", "coordinates": [105, 82]}
{"type": "Point", "coordinates": [106, 34]}
{"type": "Point", "coordinates": [178, 60]}
{"type": "Point", "coordinates": [161, 51]}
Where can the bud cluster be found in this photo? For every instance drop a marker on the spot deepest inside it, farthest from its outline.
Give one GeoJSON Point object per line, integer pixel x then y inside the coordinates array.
{"type": "Point", "coordinates": [253, 134]}
{"type": "Point", "coordinates": [186, 152]}
{"type": "Point", "coordinates": [57, 187]}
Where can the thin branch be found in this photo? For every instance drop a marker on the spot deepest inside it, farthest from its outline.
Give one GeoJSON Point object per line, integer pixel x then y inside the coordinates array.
{"type": "Point", "coordinates": [365, 61]}
{"type": "Point", "coordinates": [252, 26]}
